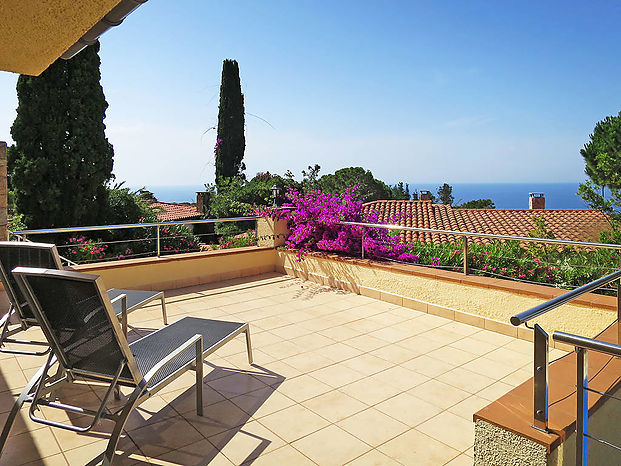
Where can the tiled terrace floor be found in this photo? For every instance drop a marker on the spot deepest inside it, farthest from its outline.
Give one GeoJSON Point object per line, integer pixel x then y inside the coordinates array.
{"type": "Point", "coordinates": [338, 379]}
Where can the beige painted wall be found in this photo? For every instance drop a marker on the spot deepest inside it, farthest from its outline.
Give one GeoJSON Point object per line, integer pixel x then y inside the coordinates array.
{"type": "Point", "coordinates": [181, 270]}
{"type": "Point", "coordinates": [488, 303]}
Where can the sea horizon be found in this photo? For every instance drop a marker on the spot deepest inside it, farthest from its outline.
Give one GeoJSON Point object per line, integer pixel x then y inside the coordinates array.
{"type": "Point", "coordinates": [504, 195]}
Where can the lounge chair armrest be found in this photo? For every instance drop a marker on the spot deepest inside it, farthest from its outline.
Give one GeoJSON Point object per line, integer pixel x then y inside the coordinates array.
{"type": "Point", "coordinates": [196, 340]}
{"type": "Point", "coordinates": [123, 316]}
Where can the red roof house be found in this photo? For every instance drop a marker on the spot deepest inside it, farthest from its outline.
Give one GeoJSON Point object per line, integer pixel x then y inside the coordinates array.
{"type": "Point", "coordinates": [566, 224]}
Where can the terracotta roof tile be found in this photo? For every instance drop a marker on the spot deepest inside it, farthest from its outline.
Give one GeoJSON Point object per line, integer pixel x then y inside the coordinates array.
{"type": "Point", "coordinates": [567, 224]}
{"type": "Point", "coordinates": [171, 211]}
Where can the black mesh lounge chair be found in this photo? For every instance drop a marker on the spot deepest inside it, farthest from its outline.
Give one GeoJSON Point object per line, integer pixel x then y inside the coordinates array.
{"type": "Point", "coordinates": [87, 341]}
{"type": "Point", "coordinates": [21, 254]}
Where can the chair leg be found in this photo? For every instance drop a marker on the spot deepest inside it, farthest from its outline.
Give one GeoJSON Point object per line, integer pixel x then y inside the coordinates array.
{"type": "Point", "coordinates": [23, 396]}
{"type": "Point", "coordinates": [132, 402]}
{"type": "Point", "coordinates": [199, 377]}
{"type": "Point", "coordinates": [164, 317]}
{"type": "Point", "coordinates": [248, 345]}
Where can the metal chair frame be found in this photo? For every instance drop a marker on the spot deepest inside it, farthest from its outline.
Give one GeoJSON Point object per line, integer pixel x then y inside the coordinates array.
{"type": "Point", "coordinates": [41, 384]}
{"type": "Point", "coordinates": [25, 321]}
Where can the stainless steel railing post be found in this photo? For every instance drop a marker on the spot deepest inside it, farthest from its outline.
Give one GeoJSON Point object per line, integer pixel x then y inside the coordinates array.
{"type": "Point", "coordinates": [540, 378]}
{"type": "Point", "coordinates": [158, 241]}
{"type": "Point", "coordinates": [619, 312]}
{"type": "Point", "coordinates": [362, 244]}
{"type": "Point", "coordinates": [465, 255]}
{"type": "Point", "coordinates": [582, 406]}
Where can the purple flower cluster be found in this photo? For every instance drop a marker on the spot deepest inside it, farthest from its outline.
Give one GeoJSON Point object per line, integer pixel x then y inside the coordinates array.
{"type": "Point", "coordinates": [315, 222]}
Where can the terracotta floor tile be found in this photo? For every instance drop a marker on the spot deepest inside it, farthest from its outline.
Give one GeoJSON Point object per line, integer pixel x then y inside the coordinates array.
{"type": "Point", "coordinates": [184, 401]}
{"type": "Point", "coordinates": [338, 352]}
{"type": "Point", "coordinates": [400, 377]}
{"type": "Point", "coordinates": [488, 367]}
{"type": "Point", "coordinates": [373, 458]}
{"type": "Point", "coordinates": [451, 429]}
{"type": "Point", "coordinates": [308, 362]}
{"type": "Point", "coordinates": [54, 460]}
{"type": "Point", "coordinates": [518, 377]}
{"type": "Point", "coordinates": [408, 409]}
{"type": "Point", "coordinates": [293, 423]}
{"type": "Point", "coordinates": [469, 406]}
{"type": "Point", "coordinates": [394, 354]}
{"type": "Point", "coordinates": [367, 364]}
{"type": "Point", "coordinates": [373, 426]}
{"type": "Point", "coordinates": [161, 437]}
{"type": "Point", "coordinates": [465, 380]}
{"type": "Point", "coordinates": [236, 384]}
{"type": "Point", "coordinates": [196, 454]}
{"type": "Point", "coordinates": [335, 405]}
{"type": "Point", "coordinates": [495, 391]}
{"type": "Point", "coordinates": [492, 337]}
{"type": "Point", "coordinates": [262, 402]}
{"type": "Point", "coordinates": [461, 328]}
{"type": "Point", "coordinates": [366, 342]}
{"type": "Point", "coordinates": [127, 453]}
{"type": "Point", "coordinates": [370, 391]}
{"type": "Point", "coordinates": [303, 387]}
{"type": "Point", "coordinates": [439, 394]}
{"type": "Point", "coordinates": [428, 366]}
{"type": "Point", "coordinates": [420, 344]}
{"type": "Point", "coordinates": [331, 446]}
{"type": "Point", "coordinates": [451, 355]}
{"type": "Point", "coordinates": [247, 442]}
{"type": "Point", "coordinates": [336, 375]}
{"type": "Point", "coordinates": [461, 460]}
{"type": "Point", "coordinates": [30, 446]}
{"type": "Point", "coordinates": [416, 446]}
{"type": "Point", "coordinates": [286, 455]}
{"type": "Point", "coordinates": [474, 346]}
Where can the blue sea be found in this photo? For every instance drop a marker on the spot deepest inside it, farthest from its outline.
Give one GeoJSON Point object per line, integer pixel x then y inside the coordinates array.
{"type": "Point", "coordinates": [504, 195]}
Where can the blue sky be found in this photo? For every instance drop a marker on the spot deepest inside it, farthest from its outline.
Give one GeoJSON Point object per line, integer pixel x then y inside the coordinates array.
{"type": "Point", "coordinates": [424, 92]}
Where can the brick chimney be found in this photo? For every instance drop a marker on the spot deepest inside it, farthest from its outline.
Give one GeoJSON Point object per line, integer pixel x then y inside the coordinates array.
{"type": "Point", "coordinates": [536, 201]}
{"type": "Point", "coordinates": [202, 201]}
{"type": "Point", "coordinates": [425, 195]}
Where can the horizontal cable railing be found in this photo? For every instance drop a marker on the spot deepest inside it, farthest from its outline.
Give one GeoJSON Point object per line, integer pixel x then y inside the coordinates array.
{"type": "Point", "coordinates": [169, 237]}
{"type": "Point", "coordinates": [588, 267]}
{"type": "Point", "coordinates": [541, 341]}
{"type": "Point", "coordinates": [582, 345]}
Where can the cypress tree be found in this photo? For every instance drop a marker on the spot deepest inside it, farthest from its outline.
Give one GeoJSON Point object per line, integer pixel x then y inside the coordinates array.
{"type": "Point", "coordinates": [231, 140]}
{"type": "Point", "coordinates": [61, 160]}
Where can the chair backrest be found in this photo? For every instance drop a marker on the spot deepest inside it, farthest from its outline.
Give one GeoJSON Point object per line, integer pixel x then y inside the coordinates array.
{"type": "Point", "coordinates": [78, 321]}
{"type": "Point", "coordinates": [22, 254]}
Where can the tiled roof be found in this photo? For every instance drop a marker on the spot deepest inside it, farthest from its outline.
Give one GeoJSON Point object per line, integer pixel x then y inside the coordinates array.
{"type": "Point", "coordinates": [567, 224]}
{"type": "Point", "coordinates": [171, 211]}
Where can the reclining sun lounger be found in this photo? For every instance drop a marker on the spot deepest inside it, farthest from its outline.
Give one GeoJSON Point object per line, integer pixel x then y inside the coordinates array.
{"type": "Point", "coordinates": [86, 339]}
{"type": "Point", "coordinates": [21, 254]}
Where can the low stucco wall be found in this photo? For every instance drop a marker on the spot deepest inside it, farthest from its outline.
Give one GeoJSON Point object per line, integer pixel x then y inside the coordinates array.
{"type": "Point", "coordinates": [180, 270]}
{"type": "Point", "coordinates": [453, 295]}
{"type": "Point", "coordinates": [494, 446]}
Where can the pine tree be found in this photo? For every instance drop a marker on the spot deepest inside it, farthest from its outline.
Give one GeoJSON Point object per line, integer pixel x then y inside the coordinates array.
{"type": "Point", "coordinates": [62, 160]}
{"type": "Point", "coordinates": [231, 140]}
{"type": "Point", "coordinates": [445, 194]}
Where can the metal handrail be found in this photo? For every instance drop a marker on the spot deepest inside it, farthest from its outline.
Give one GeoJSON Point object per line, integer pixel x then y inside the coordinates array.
{"type": "Point", "coordinates": [157, 225]}
{"type": "Point", "coordinates": [582, 344]}
{"type": "Point", "coordinates": [487, 235]}
{"type": "Point", "coordinates": [130, 225]}
{"type": "Point", "coordinates": [541, 342]}
{"type": "Point", "coordinates": [588, 343]}
{"type": "Point", "coordinates": [541, 309]}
